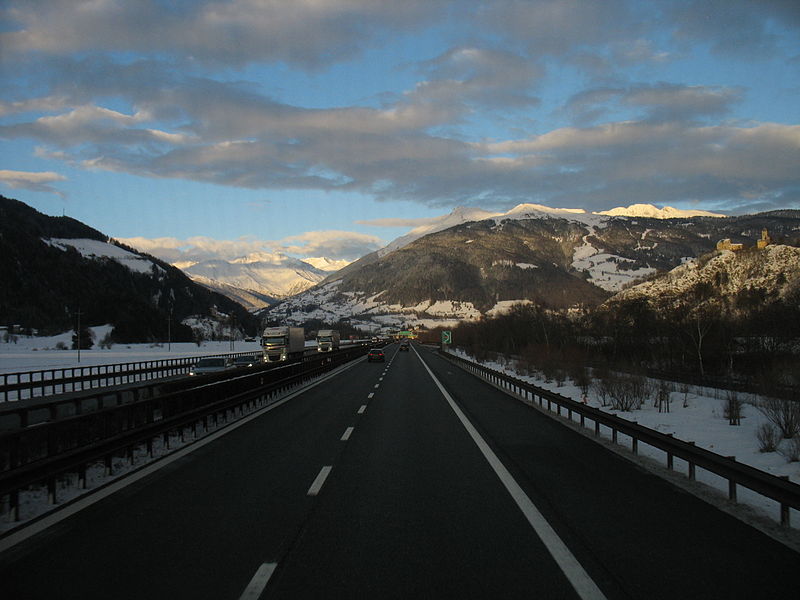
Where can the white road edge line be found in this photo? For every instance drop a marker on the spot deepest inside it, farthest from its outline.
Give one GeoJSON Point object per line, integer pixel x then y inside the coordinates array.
{"type": "Point", "coordinates": [585, 587]}
{"type": "Point", "coordinates": [258, 582]}
{"type": "Point", "coordinates": [94, 497]}
{"type": "Point", "coordinates": [319, 481]}
{"type": "Point", "coordinates": [347, 433]}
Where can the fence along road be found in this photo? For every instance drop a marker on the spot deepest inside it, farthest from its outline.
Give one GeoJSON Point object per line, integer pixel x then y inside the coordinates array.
{"type": "Point", "coordinates": [404, 505]}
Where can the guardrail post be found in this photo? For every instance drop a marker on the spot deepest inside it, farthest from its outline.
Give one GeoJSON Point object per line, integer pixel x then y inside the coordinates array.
{"type": "Point", "coordinates": [731, 484]}
{"type": "Point", "coordinates": [13, 506]}
{"type": "Point", "coordinates": [52, 496]}
{"type": "Point", "coordinates": [785, 509]}
{"type": "Point", "coordinates": [634, 445]}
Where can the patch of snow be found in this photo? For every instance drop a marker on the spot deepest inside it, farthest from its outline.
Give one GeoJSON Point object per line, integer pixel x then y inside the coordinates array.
{"type": "Point", "coordinates": [504, 306]}
{"type": "Point", "coordinates": [95, 249]}
{"type": "Point", "coordinates": [527, 266]}
{"type": "Point", "coordinates": [603, 268]}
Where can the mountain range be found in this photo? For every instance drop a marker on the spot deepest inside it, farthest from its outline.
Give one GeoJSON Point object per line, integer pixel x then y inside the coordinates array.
{"type": "Point", "coordinates": [468, 264]}
{"type": "Point", "coordinates": [473, 263]}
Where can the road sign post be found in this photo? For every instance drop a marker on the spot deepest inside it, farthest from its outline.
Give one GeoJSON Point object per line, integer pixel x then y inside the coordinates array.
{"type": "Point", "coordinates": [447, 338]}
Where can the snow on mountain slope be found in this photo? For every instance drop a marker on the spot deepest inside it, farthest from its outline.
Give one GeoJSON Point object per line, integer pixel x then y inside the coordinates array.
{"type": "Point", "coordinates": [651, 212]}
{"type": "Point", "coordinates": [604, 268]}
{"type": "Point", "coordinates": [96, 249]}
{"type": "Point", "coordinates": [772, 272]}
{"type": "Point", "coordinates": [539, 211]}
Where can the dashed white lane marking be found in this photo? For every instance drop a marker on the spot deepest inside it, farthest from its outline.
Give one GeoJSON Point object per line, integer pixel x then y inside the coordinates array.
{"type": "Point", "coordinates": [371, 394]}
{"type": "Point", "coordinates": [380, 378]}
{"type": "Point", "coordinates": [585, 587]}
{"type": "Point", "coordinates": [347, 433]}
{"type": "Point", "coordinates": [319, 481]}
{"type": "Point", "coordinates": [362, 409]}
{"type": "Point", "coordinates": [75, 507]}
{"type": "Point", "coordinates": [258, 582]}
{"type": "Point", "coordinates": [377, 385]}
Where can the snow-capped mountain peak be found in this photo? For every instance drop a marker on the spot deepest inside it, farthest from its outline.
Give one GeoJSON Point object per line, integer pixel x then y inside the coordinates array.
{"type": "Point", "coordinates": [459, 215]}
{"type": "Point", "coordinates": [652, 212]}
{"type": "Point", "coordinates": [329, 265]}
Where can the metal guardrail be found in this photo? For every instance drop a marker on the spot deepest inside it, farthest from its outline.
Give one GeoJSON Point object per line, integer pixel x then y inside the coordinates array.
{"type": "Point", "coordinates": [779, 489]}
{"type": "Point", "coordinates": [49, 382]}
{"type": "Point", "coordinates": [42, 453]}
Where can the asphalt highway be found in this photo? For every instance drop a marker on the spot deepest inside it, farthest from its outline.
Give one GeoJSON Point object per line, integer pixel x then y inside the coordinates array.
{"type": "Point", "coordinates": [404, 479]}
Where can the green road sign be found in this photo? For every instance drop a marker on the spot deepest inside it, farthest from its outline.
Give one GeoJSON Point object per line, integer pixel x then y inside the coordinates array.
{"type": "Point", "coordinates": [447, 337]}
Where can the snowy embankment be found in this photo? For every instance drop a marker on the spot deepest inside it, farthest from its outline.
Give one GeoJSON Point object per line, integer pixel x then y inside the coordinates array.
{"type": "Point", "coordinates": [696, 416]}
{"type": "Point", "coordinates": [40, 353]}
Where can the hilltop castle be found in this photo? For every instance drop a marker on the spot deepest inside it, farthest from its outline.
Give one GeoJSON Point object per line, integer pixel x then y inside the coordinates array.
{"type": "Point", "coordinates": [726, 244]}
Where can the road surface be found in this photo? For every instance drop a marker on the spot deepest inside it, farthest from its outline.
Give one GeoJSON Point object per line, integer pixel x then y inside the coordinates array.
{"type": "Point", "coordinates": [409, 479]}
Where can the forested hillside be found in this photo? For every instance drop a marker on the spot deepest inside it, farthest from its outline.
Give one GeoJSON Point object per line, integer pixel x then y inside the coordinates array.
{"type": "Point", "coordinates": [43, 286]}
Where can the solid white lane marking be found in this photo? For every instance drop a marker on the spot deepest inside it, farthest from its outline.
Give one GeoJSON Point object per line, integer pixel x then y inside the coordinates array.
{"type": "Point", "coordinates": [371, 394]}
{"type": "Point", "coordinates": [583, 584]}
{"type": "Point", "coordinates": [362, 409]}
{"type": "Point", "coordinates": [347, 433]}
{"type": "Point", "coordinates": [258, 582]}
{"type": "Point", "coordinates": [319, 481]}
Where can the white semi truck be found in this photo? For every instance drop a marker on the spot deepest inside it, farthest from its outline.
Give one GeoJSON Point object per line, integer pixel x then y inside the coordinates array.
{"type": "Point", "coordinates": [327, 340]}
{"type": "Point", "coordinates": [282, 343]}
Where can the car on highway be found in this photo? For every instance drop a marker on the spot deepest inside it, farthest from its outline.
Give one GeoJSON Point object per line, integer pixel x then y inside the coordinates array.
{"type": "Point", "coordinates": [211, 365]}
{"type": "Point", "coordinates": [247, 361]}
{"type": "Point", "coordinates": [376, 355]}
{"type": "Point", "coordinates": [404, 346]}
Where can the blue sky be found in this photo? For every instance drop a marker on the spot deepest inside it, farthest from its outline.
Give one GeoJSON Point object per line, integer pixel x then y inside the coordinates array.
{"type": "Point", "coordinates": [238, 125]}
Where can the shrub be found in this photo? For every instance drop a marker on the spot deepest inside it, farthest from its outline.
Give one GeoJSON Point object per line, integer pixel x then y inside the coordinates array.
{"type": "Point", "coordinates": [768, 437]}
{"type": "Point", "coordinates": [784, 414]}
{"type": "Point", "coordinates": [629, 391]}
{"type": "Point", "coordinates": [791, 449]}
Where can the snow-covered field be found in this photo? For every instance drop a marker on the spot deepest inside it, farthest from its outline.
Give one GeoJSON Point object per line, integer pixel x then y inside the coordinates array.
{"type": "Point", "coordinates": [39, 353]}
{"type": "Point", "coordinates": [700, 421]}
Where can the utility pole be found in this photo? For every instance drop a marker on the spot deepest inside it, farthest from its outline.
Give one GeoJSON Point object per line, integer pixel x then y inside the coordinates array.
{"type": "Point", "coordinates": [169, 331]}
{"type": "Point", "coordinates": [233, 323]}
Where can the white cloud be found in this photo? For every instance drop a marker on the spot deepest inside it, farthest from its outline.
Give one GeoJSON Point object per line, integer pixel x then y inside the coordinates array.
{"type": "Point", "coordinates": [334, 245]}
{"type": "Point", "coordinates": [33, 181]}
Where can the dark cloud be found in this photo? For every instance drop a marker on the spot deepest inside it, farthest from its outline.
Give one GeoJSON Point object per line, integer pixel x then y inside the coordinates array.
{"type": "Point", "coordinates": [237, 32]}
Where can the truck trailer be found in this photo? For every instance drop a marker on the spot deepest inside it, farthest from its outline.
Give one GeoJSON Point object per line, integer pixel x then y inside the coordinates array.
{"type": "Point", "coordinates": [283, 343]}
{"type": "Point", "coordinates": [327, 340]}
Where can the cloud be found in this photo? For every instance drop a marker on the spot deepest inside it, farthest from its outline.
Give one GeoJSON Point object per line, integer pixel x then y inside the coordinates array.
{"type": "Point", "coordinates": [656, 102]}
{"type": "Point", "coordinates": [397, 222]}
{"type": "Point", "coordinates": [659, 162]}
{"type": "Point", "coordinates": [33, 181]}
{"type": "Point", "coordinates": [331, 244]}
{"type": "Point", "coordinates": [735, 27]}
{"type": "Point", "coordinates": [307, 33]}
